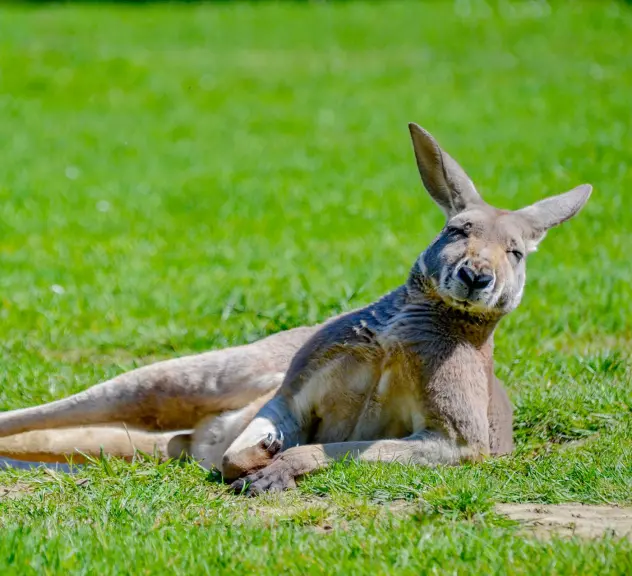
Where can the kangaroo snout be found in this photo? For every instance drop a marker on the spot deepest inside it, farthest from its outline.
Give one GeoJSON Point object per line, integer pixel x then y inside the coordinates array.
{"type": "Point", "coordinates": [474, 280]}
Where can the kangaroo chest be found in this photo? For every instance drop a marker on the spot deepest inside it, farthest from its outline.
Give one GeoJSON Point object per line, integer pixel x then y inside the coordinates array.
{"type": "Point", "coordinates": [367, 399]}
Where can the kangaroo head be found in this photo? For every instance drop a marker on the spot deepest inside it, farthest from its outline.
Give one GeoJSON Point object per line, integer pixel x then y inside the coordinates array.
{"type": "Point", "coordinates": [477, 262]}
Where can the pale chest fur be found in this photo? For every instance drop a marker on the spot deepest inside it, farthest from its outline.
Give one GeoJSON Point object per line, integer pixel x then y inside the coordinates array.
{"type": "Point", "coordinates": [363, 398]}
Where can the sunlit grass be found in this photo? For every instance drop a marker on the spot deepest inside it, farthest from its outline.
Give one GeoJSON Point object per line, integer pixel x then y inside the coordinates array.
{"type": "Point", "coordinates": [182, 177]}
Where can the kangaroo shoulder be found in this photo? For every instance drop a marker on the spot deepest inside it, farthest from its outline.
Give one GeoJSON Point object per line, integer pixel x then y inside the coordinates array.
{"type": "Point", "coordinates": [353, 333]}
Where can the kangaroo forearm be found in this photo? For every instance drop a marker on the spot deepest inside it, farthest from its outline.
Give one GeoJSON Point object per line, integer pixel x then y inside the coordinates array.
{"type": "Point", "coordinates": [424, 449]}
{"type": "Point", "coordinates": [427, 450]}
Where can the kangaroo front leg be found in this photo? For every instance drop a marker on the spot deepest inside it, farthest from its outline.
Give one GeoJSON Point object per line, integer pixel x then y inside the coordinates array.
{"type": "Point", "coordinates": [274, 427]}
{"type": "Point", "coordinates": [213, 435]}
{"type": "Point", "coordinates": [424, 449]}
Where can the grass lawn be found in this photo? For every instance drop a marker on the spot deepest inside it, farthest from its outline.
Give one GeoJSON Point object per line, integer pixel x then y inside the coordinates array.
{"type": "Point", "coordinates": [180, 178]}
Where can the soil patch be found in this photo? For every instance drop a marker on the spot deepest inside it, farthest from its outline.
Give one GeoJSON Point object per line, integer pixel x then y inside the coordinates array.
{"type": "Point", "coordinates": [13, 492]}
{"type": "Point", "coordinates": [586, 521]}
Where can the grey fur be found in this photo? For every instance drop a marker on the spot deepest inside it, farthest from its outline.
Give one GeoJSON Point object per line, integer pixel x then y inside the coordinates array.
{"type": "Point", "coordinates": [408, 378]}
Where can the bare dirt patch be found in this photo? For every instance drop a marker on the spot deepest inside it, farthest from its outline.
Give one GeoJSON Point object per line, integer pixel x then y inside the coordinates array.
{"type": "Point", "coordinates": [539, 520]}
{"type": "Point", "coordinates": [13, 492]}
{"type": "Point", "coordinates": [586, 521]}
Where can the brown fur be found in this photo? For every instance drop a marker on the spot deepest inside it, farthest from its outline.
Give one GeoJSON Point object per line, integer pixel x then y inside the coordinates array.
{"type": "Point", "coordinates": [42, 446]}
{"type": "Point", "coordinates": [409, 378]}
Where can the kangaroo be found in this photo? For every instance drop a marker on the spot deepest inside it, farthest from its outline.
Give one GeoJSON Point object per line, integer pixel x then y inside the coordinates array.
{"type": "Point", "coordinates": [409, 378]}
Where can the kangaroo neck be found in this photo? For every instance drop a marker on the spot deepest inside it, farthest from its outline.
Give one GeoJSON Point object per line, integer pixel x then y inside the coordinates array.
{"type": "Point", "coordinates": [431, 317]}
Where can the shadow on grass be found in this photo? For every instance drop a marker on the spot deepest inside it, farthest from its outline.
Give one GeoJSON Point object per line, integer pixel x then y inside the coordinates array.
{"type": "Point", "coordinates": [23, 465]}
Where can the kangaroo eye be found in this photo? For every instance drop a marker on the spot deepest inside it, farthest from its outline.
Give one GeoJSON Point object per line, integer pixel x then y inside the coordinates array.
{"type": "Point", "coordinates": [457, 232]}
{"type": "Point", "coordinates": [517, 255]}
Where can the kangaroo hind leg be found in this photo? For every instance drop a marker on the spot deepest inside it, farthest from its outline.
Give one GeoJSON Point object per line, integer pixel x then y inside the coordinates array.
{"type": "Point", "coordinates": [170, 395]}
{"type": "Point", "coordinates": [79, 444]}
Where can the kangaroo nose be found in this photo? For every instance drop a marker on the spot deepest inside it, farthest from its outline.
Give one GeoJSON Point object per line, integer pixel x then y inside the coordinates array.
{"type": "Point", "coordinates": [473, 280]}
{"type": "Point", "coordinates": [482, 281]}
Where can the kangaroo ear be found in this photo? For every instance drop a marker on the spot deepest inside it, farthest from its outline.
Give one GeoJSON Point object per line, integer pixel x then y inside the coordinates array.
{"type": "Point", "coordinates": [447, 183]}
{"type": "Point", "coordinates": [545, 214]}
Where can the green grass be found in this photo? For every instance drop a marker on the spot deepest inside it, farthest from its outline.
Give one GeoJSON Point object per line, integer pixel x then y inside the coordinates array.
{"type": "Point", "coordinates": [196, 176]}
